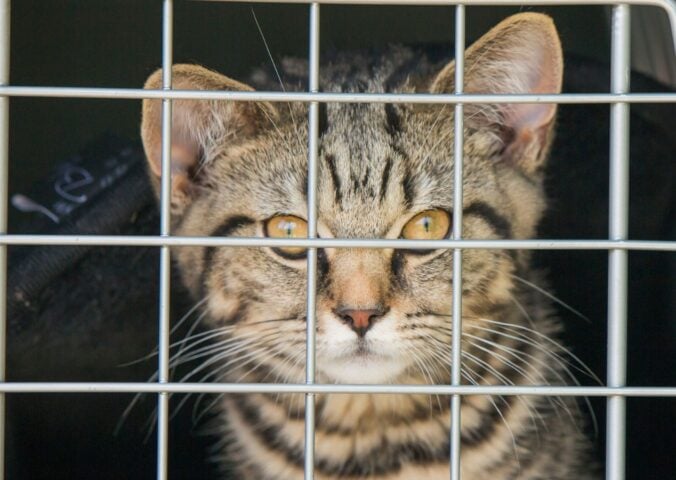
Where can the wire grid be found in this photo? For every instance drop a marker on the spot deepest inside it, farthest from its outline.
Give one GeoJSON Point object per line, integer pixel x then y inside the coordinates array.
{"type": "Point", "coordinates": [617, 245]}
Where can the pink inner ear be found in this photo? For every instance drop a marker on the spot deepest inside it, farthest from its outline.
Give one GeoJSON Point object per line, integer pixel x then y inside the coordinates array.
{"type": "Point", "coordinates": [183, 157]}
{"type": "Point", "coordinates": [184, 149]}
{"type": "Point", "coordinates": [520, 56]}
{"type": "Point", "coordinates": [529, 116]}
{"type": "Point", "coordinates": [542, 76]}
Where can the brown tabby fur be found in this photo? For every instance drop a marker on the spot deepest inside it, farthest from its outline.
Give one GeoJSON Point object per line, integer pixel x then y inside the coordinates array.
{"type": "Point", "coordinates": [237, 164]}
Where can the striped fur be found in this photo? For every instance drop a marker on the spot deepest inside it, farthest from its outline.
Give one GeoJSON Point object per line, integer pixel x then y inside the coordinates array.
{"type": "Point", "coordinates": [238, 164]}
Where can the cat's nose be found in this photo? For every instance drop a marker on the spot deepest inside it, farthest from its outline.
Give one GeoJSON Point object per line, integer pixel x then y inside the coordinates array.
{"type": "Point", "coordinates": [360, 320]}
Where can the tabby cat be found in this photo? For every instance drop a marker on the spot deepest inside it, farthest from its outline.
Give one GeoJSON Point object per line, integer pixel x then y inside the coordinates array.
{"type": "Point", "coordinates": [383, 316]}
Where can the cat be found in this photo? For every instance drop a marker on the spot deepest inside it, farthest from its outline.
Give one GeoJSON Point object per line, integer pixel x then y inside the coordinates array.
{"type": "Point", "coordinates": [383, 316]}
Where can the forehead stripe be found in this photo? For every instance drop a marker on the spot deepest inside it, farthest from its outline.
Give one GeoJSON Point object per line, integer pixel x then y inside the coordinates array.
{"type": "Point", "coordinates": [392, 119]}
{"type": "Point", "coordinates": [385, 179]}
{"type": "Point", "coordinates": [331, 164]}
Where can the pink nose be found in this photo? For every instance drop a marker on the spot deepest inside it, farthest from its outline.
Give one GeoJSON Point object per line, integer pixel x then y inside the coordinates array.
{"type": "Point", "coordinates": [360, 320]}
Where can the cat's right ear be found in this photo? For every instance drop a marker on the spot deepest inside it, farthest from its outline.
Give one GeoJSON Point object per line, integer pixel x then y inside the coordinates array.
{"type": "Point", "coordinates": [197, 125]}
{"type": "Point", "coordinates": [522, 54]}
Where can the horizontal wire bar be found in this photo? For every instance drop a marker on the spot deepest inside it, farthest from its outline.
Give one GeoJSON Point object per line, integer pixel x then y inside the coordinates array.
{"type": "Point", "coordinates": [139, 387]}
{"type": "Point", "coordinates": [333, 97]}
{"type": "Point", "coordinates": [182, 241]}
{"type": "Point", "coordinates": [477, 3]}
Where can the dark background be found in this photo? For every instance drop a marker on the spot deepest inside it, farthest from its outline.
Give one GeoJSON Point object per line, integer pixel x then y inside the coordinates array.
{"type": "Point", "coordinates": [101, 311]}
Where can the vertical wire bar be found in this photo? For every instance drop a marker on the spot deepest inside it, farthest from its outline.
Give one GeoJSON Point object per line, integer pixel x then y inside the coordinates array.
{"type": "Point", "coordinates": [618, 230]}
{"type": "Point", "coordinates": [313, 151]}
{"type": "Point", "coordinates": [165, 255]}
{"type": "Point", "coordinates": [4, 169]}
{"type": "Point", "coordinates": [458, 154]}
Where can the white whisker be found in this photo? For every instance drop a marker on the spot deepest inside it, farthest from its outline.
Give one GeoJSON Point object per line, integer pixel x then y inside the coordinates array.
{"type": "Point", "coordinates": [279, 78]}
{"type": "Point", "coordinates": [550, 296]}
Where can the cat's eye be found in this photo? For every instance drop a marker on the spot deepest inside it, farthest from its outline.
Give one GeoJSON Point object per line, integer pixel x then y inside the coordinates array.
{"type": "Point", "coordinates": [428, 225]}
{"type": "Point", "coordinates": [287, 226]}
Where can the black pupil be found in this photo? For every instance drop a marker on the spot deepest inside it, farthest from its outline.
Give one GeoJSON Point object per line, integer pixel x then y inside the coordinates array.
{"type": "Point", "coordinates": [427, 224]}
{"type": "Point", "coordinates": [288, 228]}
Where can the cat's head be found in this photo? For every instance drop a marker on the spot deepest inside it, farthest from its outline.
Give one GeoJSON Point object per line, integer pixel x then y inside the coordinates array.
{"type": "Point", "coordinates": [385, 171]}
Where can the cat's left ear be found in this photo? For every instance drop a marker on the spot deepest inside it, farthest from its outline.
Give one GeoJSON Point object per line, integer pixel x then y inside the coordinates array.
{"type": "Point", "coordinates": [198, 126]}
{"type": "Point", "coordinates": [520, 55]}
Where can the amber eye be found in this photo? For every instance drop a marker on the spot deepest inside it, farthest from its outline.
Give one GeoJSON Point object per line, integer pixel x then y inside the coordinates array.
{"type": "Point", "coordinates": [287, 226]}
{"type": "Point", "coordinates": [427, 225]}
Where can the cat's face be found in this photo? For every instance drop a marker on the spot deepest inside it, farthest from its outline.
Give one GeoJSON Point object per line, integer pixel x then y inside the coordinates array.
{"type": "Point", "coordinates": [384, 171]}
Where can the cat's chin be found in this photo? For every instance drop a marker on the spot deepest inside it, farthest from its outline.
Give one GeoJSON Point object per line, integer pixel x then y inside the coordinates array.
{"type": "Point", "coordinates": [363, 369]}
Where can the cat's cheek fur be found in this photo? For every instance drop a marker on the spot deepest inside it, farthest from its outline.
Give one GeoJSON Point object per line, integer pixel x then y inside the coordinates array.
{"type": "Point", "coordinates": [222, 306]}
{"type": "Point", "coordinates": [525, 199]}
{"type": "Point", "coordinates": [234, 283]}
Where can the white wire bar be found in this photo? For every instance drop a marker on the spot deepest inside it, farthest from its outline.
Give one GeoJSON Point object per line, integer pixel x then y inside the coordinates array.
{"type": "Point", "coordinates": [319, 388]}
{"type": "Point", "coordinates": [311, 329]}
{"type": "Point", "coordinates": [242, 242]}
{"type": "Point", "coordinates": [165, 254]}
{"type": "Point", "coordinates": [4, 160]}
{"type": "Point", "coordinates": [323, 97]}
{"type": "Point", "coordinates": [458, 155]}
{"type": "Point", "coordinates": [618, 230]}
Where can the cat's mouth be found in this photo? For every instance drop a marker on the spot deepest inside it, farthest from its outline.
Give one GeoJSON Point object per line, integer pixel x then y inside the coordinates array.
{"type": "Point", "coordinates": [362, 349]}
{"type": "Point", "coordinates": [363, 368]}
{"type": "Point", "coordinates": [359, 351]}
{"type": "Point", "coordinates": [346, 356]}
{"type": "Point", "coordinates": [362, 363]}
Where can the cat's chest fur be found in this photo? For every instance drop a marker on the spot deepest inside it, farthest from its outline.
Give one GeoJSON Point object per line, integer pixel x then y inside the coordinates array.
{"type": "Point", "coordinates": [382, 315]}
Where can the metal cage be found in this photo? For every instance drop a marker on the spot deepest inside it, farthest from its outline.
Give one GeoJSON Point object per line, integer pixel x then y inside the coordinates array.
{"type": "Point", "coordinates": [617, 245]}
